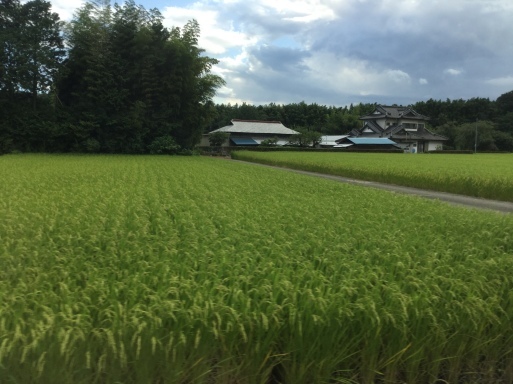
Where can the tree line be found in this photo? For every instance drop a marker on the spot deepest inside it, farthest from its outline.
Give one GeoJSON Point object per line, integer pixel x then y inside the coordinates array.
{"type": "Point", "coordinates": [455, 119]}
{"type": "Point", "coordinates": [115, 80]}
{"type": "Point", "coordinates": [112, 80]}
{"type": "Point", "coordinates": [459, 120]}
{"type": "Point", "coordinates": [297, 116]}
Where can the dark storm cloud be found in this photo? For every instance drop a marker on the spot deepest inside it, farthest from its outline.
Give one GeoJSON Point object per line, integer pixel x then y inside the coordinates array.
{"type": "Point", "coordinates": [425, 41]}
{"type": "Point", "coordinates": [253, 20]}
{"type": "Point", "coordinates": [379, 50]}
{"type": "Point", "coordinates": [281, 59]}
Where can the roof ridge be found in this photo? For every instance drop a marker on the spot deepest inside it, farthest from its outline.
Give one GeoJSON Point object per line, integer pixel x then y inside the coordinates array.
{"type": "Point", "coordinates": [257, 121]}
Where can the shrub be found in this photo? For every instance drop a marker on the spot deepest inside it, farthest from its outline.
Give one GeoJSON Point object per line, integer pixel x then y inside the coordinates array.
{"type": "Point", "coordinates": [91, 145]}
{"type": "Point", "coordinates": [5, 146]}
{"type": "Point", "coordinates": [164, 145]}
{"type": "Point", "coordinates": [269, 142]}
{"type": "Point", "coordinates": [216, 139]}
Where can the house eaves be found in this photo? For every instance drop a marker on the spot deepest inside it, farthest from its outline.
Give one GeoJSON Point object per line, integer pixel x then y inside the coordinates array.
{"type": "Point", "coordinates": [373, 126]}
{"type": "Point", "coordinates": [371, 141]}
{"type": "Point", "coordinates": [428, 136]}
{"type": "Point", "coordinates": [394, 112]}
{"type": "Point", "coordinates": [257, 127]}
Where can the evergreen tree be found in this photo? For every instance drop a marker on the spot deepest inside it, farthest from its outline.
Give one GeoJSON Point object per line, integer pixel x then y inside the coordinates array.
{"type": "Point", "coordinates": [131, 81]}
{"type": "Point", "coordinates": [10, 27]}
{"type": "Point", "coordinates": [31, 55]}
{"type": "Point", "coordinates": [32, 47]}
{"type": "Point", "coordinates": [42, 48]}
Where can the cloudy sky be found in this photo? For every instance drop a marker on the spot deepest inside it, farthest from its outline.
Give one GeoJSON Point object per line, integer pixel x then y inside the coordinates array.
{"type": "Point", "coordinates": [337, 52]}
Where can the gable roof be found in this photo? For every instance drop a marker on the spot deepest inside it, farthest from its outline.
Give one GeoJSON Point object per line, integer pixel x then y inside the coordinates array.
{"type": "Point", "coordinates": [398, 131]}
{"type": "Point", "coordinates": [394, 112]}
{"type": "Point", "coordinates": [373, 126]}
{"type": "Point", "coordinates": [256, 127]}
{"type": "Point", "coordinates": [424, 135]}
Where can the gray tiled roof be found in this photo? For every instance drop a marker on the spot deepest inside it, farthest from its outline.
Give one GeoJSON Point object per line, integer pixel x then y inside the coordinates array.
{"type": "Point", "coordinates": [398, 132]}
{"type": "Point", "coordinates": [393, 112]}
{"type": "Point", "coordinates": [373, 126]}
{"type": "Point", "coordinates": [256, 126]}
{"type": "Point", "coordinates": [426, 135]}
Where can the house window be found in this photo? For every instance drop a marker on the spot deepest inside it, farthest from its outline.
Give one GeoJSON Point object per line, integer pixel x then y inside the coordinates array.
{"type": "Point", "coordinates": [420, 125]}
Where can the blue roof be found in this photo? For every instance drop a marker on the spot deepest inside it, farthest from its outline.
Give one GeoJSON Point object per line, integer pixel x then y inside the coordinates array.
{"type": "Point", "coordinates": [243, 141]}
{"type": "Point", "coordinates": [371, 140]}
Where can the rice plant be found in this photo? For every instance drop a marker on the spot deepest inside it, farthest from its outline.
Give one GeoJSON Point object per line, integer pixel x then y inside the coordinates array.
{"type": "Point", "coordinates": [484, 175]}
{"type": "Point", "coordinates": [140, 269]}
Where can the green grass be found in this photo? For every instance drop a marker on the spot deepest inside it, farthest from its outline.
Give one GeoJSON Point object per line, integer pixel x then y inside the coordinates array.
{"type": "Point", "coordinates": [196, 270]}
{"type": "Point", "coordinates": [483, 175]}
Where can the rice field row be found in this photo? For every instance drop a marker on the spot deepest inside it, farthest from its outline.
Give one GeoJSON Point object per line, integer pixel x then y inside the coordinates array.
{"type": "Point", "coordinates": [488, 176]}
{"type": "Point", "coordinates": [140, 269]}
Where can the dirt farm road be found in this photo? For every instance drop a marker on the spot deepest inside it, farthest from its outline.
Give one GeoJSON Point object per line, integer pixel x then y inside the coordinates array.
{"type": "Point", "coordinates": [467, 201]}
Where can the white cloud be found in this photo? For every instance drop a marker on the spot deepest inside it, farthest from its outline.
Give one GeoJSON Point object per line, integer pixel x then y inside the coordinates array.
{"type": "Point", "coordinates": [423, 81]}
{"type": "Point", "coordinates": [341, 75]}
{"type": "Point", "coordinates": [398, 76]}
{"type": "Point", "coordinates": [303, 11]}
{"type": "Point", "coordinates": [66, 8]}
{"type": "Point", "coordinates": [178, 16]}
{"type": "Point", "coordinates": [216, 36]}
{"type": "Point", "coordinates": [233, 64]}
{"type": "Point", "coordinates": [501, 81]}
{"type": "Point", "coordinates": [453, 72]}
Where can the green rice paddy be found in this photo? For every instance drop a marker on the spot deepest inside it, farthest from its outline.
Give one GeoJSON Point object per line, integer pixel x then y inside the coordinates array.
{"type": "Point", "coordinates": [140, 269]}
{"type": "Point", "coordinates": [483, 175]}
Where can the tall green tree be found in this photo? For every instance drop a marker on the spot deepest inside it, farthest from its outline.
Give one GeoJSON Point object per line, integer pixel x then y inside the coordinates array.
{"type": "Point", "coordinates": [30, 35]}
{"type": "Point", "coordinates": [505, 103]}
{"type": "Point", "coordinates": [30, 58]}
{"type": "Point", "coordinates": [10, 27]}
{"type": "Point", "coordinates": [196, 86]}
{"type": "Point", "coordinates": [463, 136]}
{"type": "Point", "coordinates": [42, 47]}
{"type": "Point", "coordinates": [132, 81]}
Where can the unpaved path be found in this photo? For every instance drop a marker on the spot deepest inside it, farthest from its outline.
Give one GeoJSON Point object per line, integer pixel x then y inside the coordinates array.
{"type": "Point", "coordinates": [467, 201]}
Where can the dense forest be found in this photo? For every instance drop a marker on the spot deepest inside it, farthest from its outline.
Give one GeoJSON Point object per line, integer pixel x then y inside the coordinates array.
{"type": "Point", "coordinates": [112, 80]}
{"type": "Point", "coordinates": [115, 80]}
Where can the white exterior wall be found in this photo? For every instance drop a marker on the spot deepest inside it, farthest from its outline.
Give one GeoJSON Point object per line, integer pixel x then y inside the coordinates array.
{"type": "Point", "coordinates": [413, 121]}
{"type": "Point", "coordinates": [389, 122]}
{"type": "Point", "coordinates": [434, 145]}
{"type": "Point", "coordinates": [410, 146]}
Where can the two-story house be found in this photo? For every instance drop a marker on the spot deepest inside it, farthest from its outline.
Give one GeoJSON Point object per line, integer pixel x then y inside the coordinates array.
{"type": "Point", "coordinates": [402, 125]}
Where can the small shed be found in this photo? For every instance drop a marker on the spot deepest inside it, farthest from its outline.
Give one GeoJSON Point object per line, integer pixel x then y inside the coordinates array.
{"type": "Point", "coordinates": [367, 143]}
{"type": "Point", "coordinates": [329, 141]}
